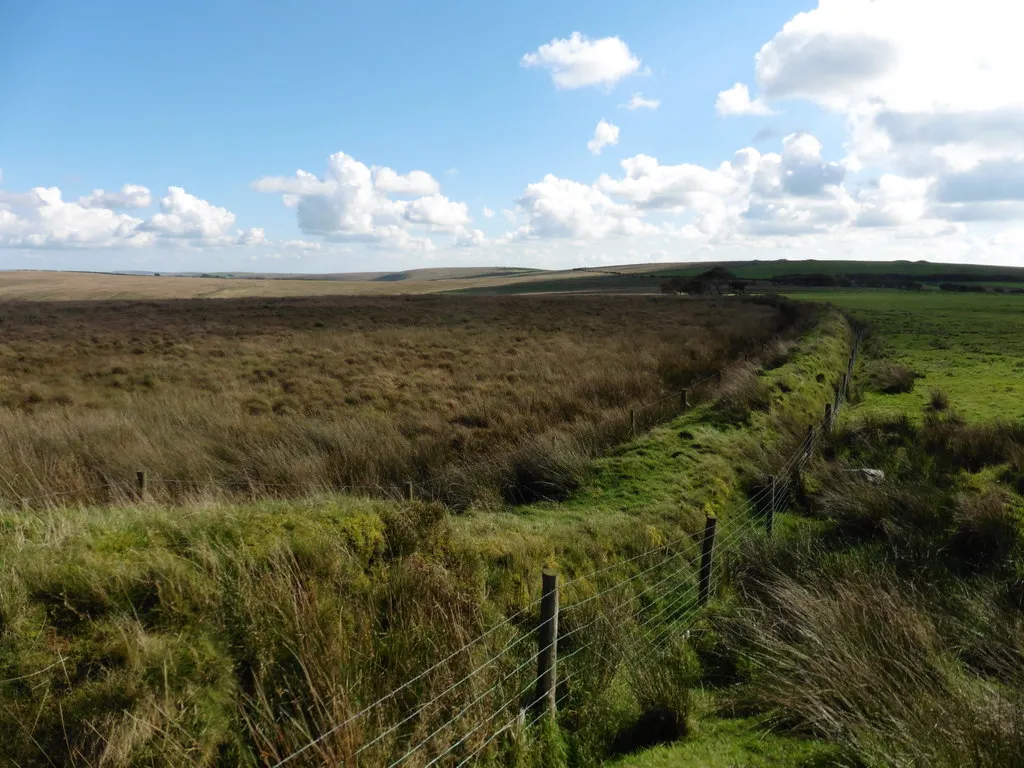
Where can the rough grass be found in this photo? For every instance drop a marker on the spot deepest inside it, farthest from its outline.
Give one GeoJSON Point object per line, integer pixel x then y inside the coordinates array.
{"type": "Point", "coordinates": [479, 400]}
{"type": "Point", "coordinates": [892, 626]}
{"type": "Point", "coordinates": [232, 634]}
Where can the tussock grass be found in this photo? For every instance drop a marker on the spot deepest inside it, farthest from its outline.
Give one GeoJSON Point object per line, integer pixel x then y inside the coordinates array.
{"type": "Point", "coordinates": [890, 626]}
{"type": "Point", "coordinates": [478, 399]}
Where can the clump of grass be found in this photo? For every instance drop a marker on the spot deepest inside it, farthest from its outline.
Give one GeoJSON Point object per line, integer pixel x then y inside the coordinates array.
{"type": "Point", "coordinates": [938, 400]}
{"type": "Point", "coordinates": [858, 659]}
{"type": "Point", "coordinates": [742, 392]}
{"type": "Point", "coordinates": [894, 378]}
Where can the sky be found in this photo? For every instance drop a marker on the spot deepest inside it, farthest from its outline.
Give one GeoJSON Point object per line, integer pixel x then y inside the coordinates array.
{"type": "Point", "coordinates": [327, 136]}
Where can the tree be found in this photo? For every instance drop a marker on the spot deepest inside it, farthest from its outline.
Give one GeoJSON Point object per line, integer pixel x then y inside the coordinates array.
{"type": "Point", "coordinates": [738, 286]}
{"type": "Point", "coordinates": [718, 278]}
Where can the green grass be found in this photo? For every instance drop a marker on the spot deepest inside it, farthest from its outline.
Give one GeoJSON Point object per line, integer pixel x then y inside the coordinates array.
{"type": "Point", "coordinates": [734, 743]}
{"type": "Point", "coordinates": [971, 346]}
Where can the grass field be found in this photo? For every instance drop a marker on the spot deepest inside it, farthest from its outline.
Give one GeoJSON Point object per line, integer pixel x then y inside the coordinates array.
{"type": "Point", "coordinates": [91, 286]}
{"type": "Point", "coordinates": [477, 400]}
{"type": "Point", "coordinates": [970, 346]}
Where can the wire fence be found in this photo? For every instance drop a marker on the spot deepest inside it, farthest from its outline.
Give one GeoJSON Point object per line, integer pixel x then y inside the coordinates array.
{"type": "Point", "coordinates": [656, 588]}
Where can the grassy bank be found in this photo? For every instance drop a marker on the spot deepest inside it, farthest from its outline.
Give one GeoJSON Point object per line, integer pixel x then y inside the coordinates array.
{"type": "Point", "coordinates": [234, 634]}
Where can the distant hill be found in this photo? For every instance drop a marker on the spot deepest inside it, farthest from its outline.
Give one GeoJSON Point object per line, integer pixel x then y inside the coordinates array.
{"type": "Point", "coordinates": [629, 278]}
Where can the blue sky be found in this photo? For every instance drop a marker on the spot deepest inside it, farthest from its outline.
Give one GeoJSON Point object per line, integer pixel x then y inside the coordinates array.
{"type": "Point", "coordinates": [207, 98]}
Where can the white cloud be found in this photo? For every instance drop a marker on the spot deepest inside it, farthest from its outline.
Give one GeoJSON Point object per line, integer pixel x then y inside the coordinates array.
{"type": "Point", "coordinates": [352, 203]}
{"type": "Point", "coordinates": [437, 211]}
{"type": "Point", "coordinates": [736, 101]}
{"type": "Point", "coordinates": [412, 183]}
{"type": "Point", "coordinates": [578, 61]}
{"type": "Point", "coordinates": [555, 207]}
{"type": "Point", "coordinates": [130, 196]}
{"type": "Point", "coordinates": [488, 213]}
{"type": "Point", "coordinates": [931, 96]}
{"type": "Point", "coordinates": [187, 216]}
{"type": "Point", "coordinates": [893, 201]}
{"type": "Point", "coordinates": [469, 238]}
{"type": "Point", "coordinates": [604, 134]}
{"type": "Point", "coordinates": [41, 218]}
{"type": "Point", "coordinates": [639, 102]}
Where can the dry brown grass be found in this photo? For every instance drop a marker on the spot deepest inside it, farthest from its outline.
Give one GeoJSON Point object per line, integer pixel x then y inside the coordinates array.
{"type": "Point", "coordinates": [84, 286]}
{"type": "Point", "coordinates": [479, 398]}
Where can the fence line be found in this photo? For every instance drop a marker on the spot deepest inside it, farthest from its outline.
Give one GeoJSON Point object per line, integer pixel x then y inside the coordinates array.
{"type": "Point", "coordinates": [675, 615]}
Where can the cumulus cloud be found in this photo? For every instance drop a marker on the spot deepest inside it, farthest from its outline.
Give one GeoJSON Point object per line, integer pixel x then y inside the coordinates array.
{"type": "Point", "coordinates": [353, 202]}
{"type": "Point", "coordinates": [130, 196]}
{"type": "Point", "coordinates": [555, 207]}
{"type": "Point", "coordinates": [604, 134]}
{"type": "Point", "coordinates": [41, 218]}
{"type": "Point", "coordinates": [412, 183]}
{"type": "Point", "coordinates": [488, 213]}
{"type": "Point", "coordinates": [649, 185]}
{"type": "Point", "coordinates": [187, 216]}
{"type": "Point", "coordinates": [639, 102]}
{"type": "Point", "coordinates": [577, 61]}
{"type": "Point", "coordinates": [737, 101]}
{"type": "Point", "coordinates": [469, 238]}
{"type": "Point", "coordinates": [437, 211]}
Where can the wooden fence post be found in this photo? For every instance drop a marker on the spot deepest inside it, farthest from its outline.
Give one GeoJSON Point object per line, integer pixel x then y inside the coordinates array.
{"type": "Point", "coordinates": [769, 523]}
{"type": "Point", "coordinates": [827, 424]}
{"type": "Point", "coordinates": [632, 421]}
{"type": "Point", "coordinates": [141, 483]}
{"type": "Point", "coordinates": [547, 643]}
{"type": "Point", "coordinates": [706, 553]}
{"type": "Point", "coordinates": [686, 399]}
{"type": "Point", "coordinates": [410, 491]}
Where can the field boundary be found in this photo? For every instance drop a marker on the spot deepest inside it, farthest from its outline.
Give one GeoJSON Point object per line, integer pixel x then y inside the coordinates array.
{"type": "Point", "coordinates": [679, 595]}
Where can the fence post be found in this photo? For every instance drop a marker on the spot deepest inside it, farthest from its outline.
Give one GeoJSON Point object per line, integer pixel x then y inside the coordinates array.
{"type": "Point", "coordinates": [410, 491]}
{"type": "Point", "coordinates": [632, 421]}
{"type": "Point", "coordinates": [686, 399]}
{"type": "Point", "coordinates": [141, 483]}
{"type": "Point", "coordinates": [769, 523]}
{"type": "Point", "coordinates": [547, 643]}
{"type": "Point", "coordinates": [706, 552]}
{"type": "Point", "coordinates": [827, 424]}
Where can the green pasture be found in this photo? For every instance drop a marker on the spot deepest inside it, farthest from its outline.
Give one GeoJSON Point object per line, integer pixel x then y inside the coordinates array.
{"type": "Point", "coordinates": [971, 346]}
